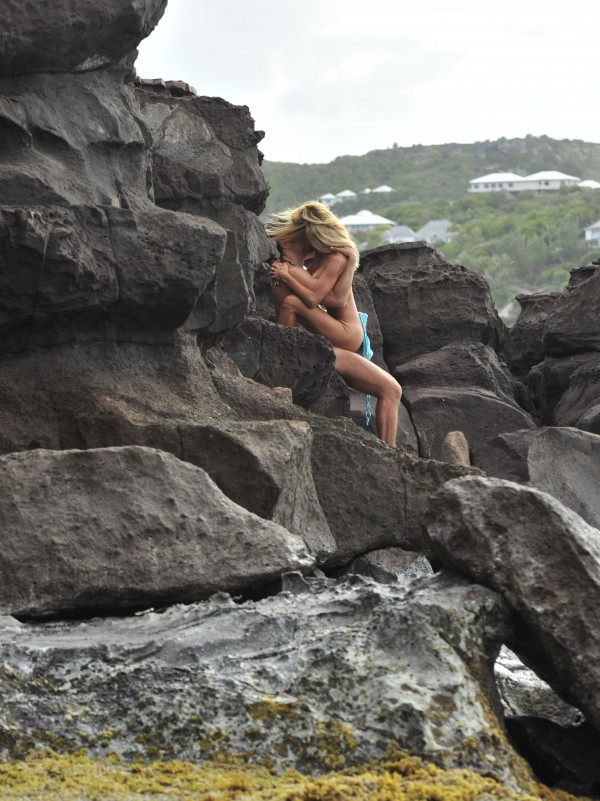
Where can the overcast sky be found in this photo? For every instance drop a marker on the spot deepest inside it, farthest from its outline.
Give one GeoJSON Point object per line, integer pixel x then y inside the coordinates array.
{"type": "Point", "coordinates": [326, 78]}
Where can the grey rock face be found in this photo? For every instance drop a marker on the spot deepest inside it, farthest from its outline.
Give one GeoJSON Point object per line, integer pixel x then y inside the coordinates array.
{"type": "Point", "coordinates": [477, 413]}
{"type": "Point", "coordinates": [461, 387]}
{"type": "Point", "coordinates": [99, 394]}
{"type": "Point", "coordinates": [373, 496]}
{"type": "Point", "coordinates": [390, 565]}
{"type": "Point", "coordinates": [324, 678]}
{"type": "Point", "coordinates": [457, 365]}
{"type": "Point", "coordinates": [72, 35]}
{"type": "Point", "coordinates": [282, 357]}
{"type": "Point", "coordinates": [563, 462]}
{"type": "Point", "coordinates": [264, 467]}
{"type": "Point", "coordinates": [545, 560]}
{"type": "Point", "coordinates": [423, 303]}
{"type": "Point", "coordinates": [121, 528]}
{"type": "Point", "coordinates": [526, 336]}
{"type": "Point", "coordinates": [72, 140]}
{"type": "Point", "coordinates": [573, 325]}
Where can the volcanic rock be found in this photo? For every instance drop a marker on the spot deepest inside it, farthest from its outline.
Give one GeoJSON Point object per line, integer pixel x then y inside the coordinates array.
{"type": "Point", "coordinates": [545, 560]}
{"type": "Point", "coordinates": [310, 680]}
{"type": "Point", "coordinates": [126, 528]}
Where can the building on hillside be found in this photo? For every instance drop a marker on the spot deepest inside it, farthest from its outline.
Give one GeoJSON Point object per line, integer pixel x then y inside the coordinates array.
{"type": "Point", "coordinates": [399, 233]}
{"type": "Point", "coordinates": [328, 199]}
{"type": "Point", "coordinates": [366, 191]}
{"type": "Point", "coordinates": [545, 181]}
{"type": "Point", "coordinates": [436, 231]}
{"type": "Point", "coordinates": [494, 182]}
{"type": "Point", "coordinates": [589, 184]}
{"type": "Point", "coordinates": [592, 233]}
{"type": "Point", "coordinates": [364, 221]}
{"type": "Point", "coordinates": [383, 188]}
{"type": "Point", "coordinates": [346, 194]}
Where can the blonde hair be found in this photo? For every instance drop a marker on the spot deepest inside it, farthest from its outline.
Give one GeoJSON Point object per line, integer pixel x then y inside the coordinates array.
{"type": "Point", "coordinates": [316, 222]}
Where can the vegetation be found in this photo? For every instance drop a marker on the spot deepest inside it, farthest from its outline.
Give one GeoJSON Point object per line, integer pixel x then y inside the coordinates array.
{"type": "Point", "coordinates": [521, 242]}
{"type": "Point", "coordinates": [398, 777]}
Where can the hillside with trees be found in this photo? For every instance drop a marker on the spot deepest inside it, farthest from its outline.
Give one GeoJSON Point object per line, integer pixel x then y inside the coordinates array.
{"type": "Point", "coordinates": [521, 242]}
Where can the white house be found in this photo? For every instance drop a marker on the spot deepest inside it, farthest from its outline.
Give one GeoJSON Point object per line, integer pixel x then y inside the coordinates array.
{"type": "Point", "coordinates": [346, 194]}
{"type": "Point", "coordinates": [364, 221]}
{"type": "Point", "coordinates": [592, 232]}
{"type": "Point", "coordinates": [589, 184]}
{"type": "Point", "coordinates": [383, 188]}
{"type": "Point", "coordinates": [400, 233]}
{"type": "Point", "coordinates": [328, 199]}
{"type": "Point", "coordinates": [494, 182]}
{"type": "Point", "coordinates": [436, 231]}
{"type": "Point", "coordinates": [545, 181]}
{"type": "Point", "coordinates": [548, 180]}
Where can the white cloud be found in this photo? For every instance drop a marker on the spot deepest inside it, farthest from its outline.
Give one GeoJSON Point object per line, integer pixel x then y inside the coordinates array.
{"type": "Point", "coordinates": [328, 77]}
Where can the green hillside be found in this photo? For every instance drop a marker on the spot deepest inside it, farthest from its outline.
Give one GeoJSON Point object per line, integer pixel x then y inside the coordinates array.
{"type": "Point", "coordinates": [521, 242]}
{"type": "Point", "coordinates": [428, 172]}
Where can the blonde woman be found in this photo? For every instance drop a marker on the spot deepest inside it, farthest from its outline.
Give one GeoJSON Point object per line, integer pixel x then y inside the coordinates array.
{"type": "Point", "coordinates": [319, 298]}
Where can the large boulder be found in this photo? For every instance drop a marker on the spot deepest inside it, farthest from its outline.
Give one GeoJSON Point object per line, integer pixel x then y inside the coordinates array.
{"type": "Point", "coordinates": [327, 675]}
{"type": "Point", "coordinates": [205, 162]}
{"type": "Point", "coordinates": [373, 496]}
{"type": "Point", "coordinates": [125, 528]}
{"type": "Point", "coordinates": [423, 303]}
{"type": "Point", "coordinates": [71, 35]}
{"type": "Point", "coordinates": [563, 462]}
{"type": "Point", "coordinates": [279, 356]}
{"type": "Point", "coordinates": [90, 394]}
{"type": "Point", "coordinates": [266, 468]}
{"type": "Point", "coordinates": [526, 347]}
{"type": "Point", "coordinates": [545, 560]}
{"type": "Point", "coordinates": [72, 140]}
{"type": "Point", "coordinates": [573, 325]}
{"type": "Point", "coordinates": [460, 387]}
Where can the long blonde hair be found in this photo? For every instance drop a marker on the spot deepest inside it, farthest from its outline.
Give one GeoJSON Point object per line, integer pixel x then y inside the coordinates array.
{"type": "Point", "coordinates": [316, 221]}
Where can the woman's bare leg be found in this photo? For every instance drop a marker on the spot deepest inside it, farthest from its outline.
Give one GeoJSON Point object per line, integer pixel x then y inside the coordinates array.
{"type": "Point", "coordinates": [367, 377]}
{"type": "Point", "coordinates": [294, 311]}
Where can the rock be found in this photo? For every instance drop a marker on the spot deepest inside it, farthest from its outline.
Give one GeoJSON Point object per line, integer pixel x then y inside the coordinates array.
{"type": "Point", "coordinates": [563, 462]}
{"type": "Point", "coordinates": [389, 566]}
{"type": "Point", "coordinates": [549, 380]}
{"type": "Point", "coordinates": [578, 405]}
{"type": "Point", "coordinates": [525, 696]}
{"type": "Point", "coordinates": [373, 496]}
{"type": "Point", "coordinates": [562, 756]}
{"type": "Point", "coordinates": [423, 303]}
{"type": "Point", "coordinates": [74, 36]}
{"type": "Point", "coordinates": [455, 449]}
{"type": "Point", "coordinates": [526, 347]}
{"type": "Point", "coordinates": [204, 152]}
{"type": "Point", "coordinates": [72, 140]}
{"type": "Point", "coordinates": [309, 680]}
{"type": "Point", "coordinates": [573, 325]}
{"type": "Point", "coordinates": [99, 394]}
{"type": "Point", "coordinates": [471, 366]}
{"type": "Point", "coordinates": [460, 387]}
{"type": "Point", "coordinates": [279, 356]}
{"type": "Point", "coordinates": [477, 413]}
{"type": "Point", "coordinates": [143, 267]}
{"type": "Point", "coordinates": [126, 528]}
{"type": "Point", "coordinates": [205, 162]}
{"type": "Point", "coordinates": [545, 560]}
{"type": "Point", "coordinates": [264, 467]}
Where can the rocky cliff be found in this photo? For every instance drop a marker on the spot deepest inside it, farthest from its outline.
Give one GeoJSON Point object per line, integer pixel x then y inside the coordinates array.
{"type": "Point", "coordinates": [204, 552]}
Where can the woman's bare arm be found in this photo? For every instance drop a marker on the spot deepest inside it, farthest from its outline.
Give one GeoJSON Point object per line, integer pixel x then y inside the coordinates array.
{"type": "Point", "coordinates": [311, 289]}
